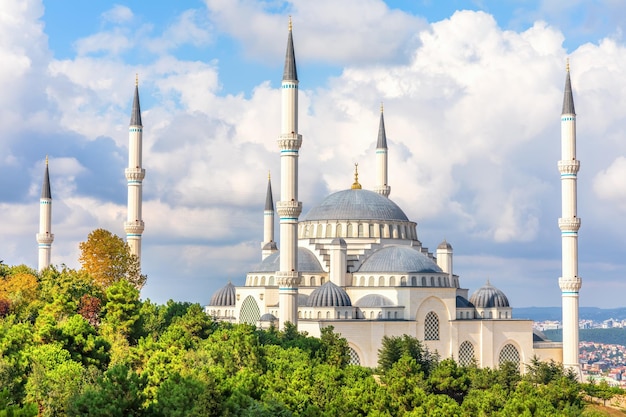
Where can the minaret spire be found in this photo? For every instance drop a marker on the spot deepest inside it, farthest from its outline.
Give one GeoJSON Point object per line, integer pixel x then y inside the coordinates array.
{"type": "Point", "coordinates": [381, 157]}
{"type": "Point", "coordinates": [268, 246]}
{"type": "Point", "coordinates": [289, 208]}
{"type": "Point", "coordinates": [569, 223]}
{"type": "Point", "coordinates": [134, 225]}
{"type": "Point", "coordinates": [45, 236]}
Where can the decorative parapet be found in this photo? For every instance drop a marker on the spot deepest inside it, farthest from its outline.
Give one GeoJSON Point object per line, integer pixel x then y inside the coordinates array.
{"type": "Point", "coordinates": [569, 167]}
{"type": "Point", "coordinates": [289, 209]}
{"type": "Point", "coordinates": [45, 238]}
{"type": "Point", "coordinates": [135, 174]}
{"type": "Point", "coordinates": [134, 228]}
{"type": "Point", "coordinates": [288, 279]}
{"type": "Point", "coordinates": [569, 224]}
{"type": "Point", "coordinates": [570, 284]}
{"type": "Point", "coordinates": [289, 142]}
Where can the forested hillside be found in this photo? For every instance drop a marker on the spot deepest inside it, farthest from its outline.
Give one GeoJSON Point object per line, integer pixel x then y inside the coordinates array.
{"type": "Point", "coordinates": [613, 336]}
{"type": "Point", "coordinates": [71, 345]}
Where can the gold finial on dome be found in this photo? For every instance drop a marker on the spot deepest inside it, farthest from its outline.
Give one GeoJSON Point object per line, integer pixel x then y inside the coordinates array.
{"type": "Point", "coordinates": [356, 185]}
{"type": "Point", "coordinates": [290, 25]}
{"type": "Point", "coordinates": [136, 79]}
{"type": "Point", "coordinates": [567, 65]}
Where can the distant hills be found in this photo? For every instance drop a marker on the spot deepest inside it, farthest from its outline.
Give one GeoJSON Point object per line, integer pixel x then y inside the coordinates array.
{"type": "Point", "coordinates": [554, 313]}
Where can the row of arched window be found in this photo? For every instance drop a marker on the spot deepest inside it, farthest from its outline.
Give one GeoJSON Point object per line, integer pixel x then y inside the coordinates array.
{"type": "Point", "coordinates": [391, 281]}
{"type": "Point", "coordinates": [395, 231]}
{"type": "Point", "coordinates": [474, 315]}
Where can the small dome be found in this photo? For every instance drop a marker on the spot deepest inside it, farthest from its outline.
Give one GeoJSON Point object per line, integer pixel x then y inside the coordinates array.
{"type": "Point", "coordinates": [307, 262]}
{"type": "Point", "coordinates": [268, 317]}
{"type": "Point", "coordinates": [225, 296]}
{"type": "Point", "coordinates": [462, 302]}
{"type": "Point", "coordinates": [444, 245]}
{"type": "Point", "coordinates": [355, 204]}
{"type": "Point", "coordinates": [329, 295]}
{"type": "Point", "coordinates": [398, 259]}
{"type": "Point", "coordinates": [489, 296]}
{"type": "Point", "coordinates": [374, 300]}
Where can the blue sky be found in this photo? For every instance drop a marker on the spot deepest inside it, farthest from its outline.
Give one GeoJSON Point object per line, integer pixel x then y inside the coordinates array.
{"type": "Point", "coordinates": [472, 92]}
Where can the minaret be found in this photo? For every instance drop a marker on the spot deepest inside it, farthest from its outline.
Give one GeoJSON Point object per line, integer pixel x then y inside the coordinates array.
{"type": "Point", "coordinates": [45, 236]}
{"type": "Point", "coordinates": [289, 208]}
{"type": "Point", "coordinates": [569, 223]}
{"type": "Point", "coordinates": [381, 158]}
{"type": "Point", "coordinates": [135, 174]}
{"type": "Point", "coordinates": [268, 246]}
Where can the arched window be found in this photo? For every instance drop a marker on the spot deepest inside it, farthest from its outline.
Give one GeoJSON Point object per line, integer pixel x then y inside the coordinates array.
{"type": "Point", "coordinates": [319, 230]}
{"type": "Point", "coordinates": [349, 233]}
{"type": "Point", "coordinates": [395, 314]}
{"type": "Point", "coordinates": [249, 312]}
{"type": "Point", "coordinates": [466, 353]}
{"type": "Point", "coordinates": [299, 314]}
{"type": "Point", "coordinates": [371, 315]}
{"type": "Point", "coordinates": [403, 281]}
{"type": "Point", "coordinates": [271, 281]}
{"type": "Point", "coordinates": [360, 230]}
{"type": "Point", "coordinates": [338, 315]}
{"type": "Point", "coordinates": [262, 281]}
{"type": "Point", "coordinates": [256, 281]}
{"type": "Point", "coordinates": [371, 230]}
{"type": "Point", "coordinates": [329, 230]}
{"type": "Point", "coordinates": [371, 282]}
{"type": "Point", "coordinates": [381, 281]}
{"type": "Point", "coordinates": [392, 281]}
{"type": "Point", "coordinates": [353, 357]}
{"type": "Point", "coordinates": [432, 281]}
{"type": "Point", "coordinates": [338, 230]}
{"type": "Point", "coordinates": [431, 326]}
{"type": "Point", "coordinates": [312, 281]}
{"type": "Point", "coordinates": [388, 314]}
{"type": "Point", "coordinates": [439, 281]}
{"type": "Point", "coordinates": [362, 282]}
{"type": "Point", "coordinates": [423, 281]}
{"type": "Point", "coordinates": [345, 315]}
{"type": "Point", "coordinates": [413, 281]}
{"type": "Point", "coordinates": [322, 281]}
{"type": "Point", "coordinates": [319, 314]}
{"type": "Point", "coordinates": [328, 314]}
{"type": "Point", "coordinates": [509, 353]}
{"type": "Point", "coordinates": [491, 314]}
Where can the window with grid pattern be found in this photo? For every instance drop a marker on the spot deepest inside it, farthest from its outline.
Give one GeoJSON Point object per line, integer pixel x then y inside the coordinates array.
{"type": "Point", "coordinates": [431, 326]}
{"type": "Point", "coordinates": [509, 353]}
{"type": "Point", "coordinates": [466, 353]}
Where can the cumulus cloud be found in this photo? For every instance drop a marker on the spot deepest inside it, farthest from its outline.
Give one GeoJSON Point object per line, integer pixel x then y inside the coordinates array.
{"type": "Point", "coordinates": [471, 110]}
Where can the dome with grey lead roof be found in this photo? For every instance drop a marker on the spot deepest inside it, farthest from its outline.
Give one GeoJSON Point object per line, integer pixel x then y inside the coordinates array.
{"type": "Point", "coordinates": [268, 317]}
{"type": "Point", "coordinates": [444, 245]}
{"type": "Point", "coordinates": [329, 295]}
{"type": "Point", "coordinates": [373, 300]}
{"type": "Point", "coordinates": [399, 259]}
{"type": "Point", "coordinates": [489, 296]}
{"type": "Point", "coordinates": [356, 204]}
{"type": "Point", "coordinates": [307, 262]}
{"type": "Point", "coordinates": [225, 296]}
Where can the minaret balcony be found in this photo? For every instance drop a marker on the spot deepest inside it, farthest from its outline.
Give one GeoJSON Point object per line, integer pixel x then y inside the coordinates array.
{"type": "Point", "coordinates": [572, 284]}
{"type": "Point", "coordinates": [45, 238]}
{"type": "Point", "coordinates": [569, 167]}
{"type": "Point", "coordinates": [289, 141]}
{"type": "Point", "coordinates": [134, 228]}
{"type": "Point", "coordinates": [290, 209]}
{"type": "Point", "coordinates": [135, 174]}
{"type": "Point", "coordinates": [288, 279]}
{"type": "Point", "coordinates": [569, 224]}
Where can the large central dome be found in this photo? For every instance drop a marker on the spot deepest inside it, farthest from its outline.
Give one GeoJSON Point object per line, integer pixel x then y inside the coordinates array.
{"type": "Point", "coordinates": [356, 204]}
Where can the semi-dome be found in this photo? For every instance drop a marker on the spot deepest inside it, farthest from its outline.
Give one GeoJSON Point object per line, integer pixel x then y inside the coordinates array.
{"type": "Point", "coordinates": [225, 296]}
{"type": "Point", "coordinates": [356, 204]}
{"type": "Point", "coordinates": [307, 262]}
{"type": "Point", "coordinates": [462, 302]}
{"type": "Point", "coordinates": [374, 300]}
{"type": "Point", "coordinates": [489, 296]}
{"type": "Point", "coordinates": [399, 259]}
{"type": "Point", "coordinates": [329, 295]}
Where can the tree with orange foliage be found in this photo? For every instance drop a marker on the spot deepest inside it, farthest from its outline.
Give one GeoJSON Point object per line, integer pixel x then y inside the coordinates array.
{"type": "Point", "coordinates": [107, 258]}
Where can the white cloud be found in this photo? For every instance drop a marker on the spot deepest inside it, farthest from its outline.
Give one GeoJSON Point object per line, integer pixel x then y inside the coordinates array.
{"type": "Point", "coordinates": [610, 184]}
{"type": "Point", "coordinates": [118, 14]}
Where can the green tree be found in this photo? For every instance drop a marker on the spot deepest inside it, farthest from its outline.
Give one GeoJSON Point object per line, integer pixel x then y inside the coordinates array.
{"type": "Point", "coordinates": [395, 347]}
{"type": "Point", "coordinates": [449, 379]}
{"type": "Point", "coordinates": [107, 258]}
{"type": "Point", "coordinates": [117, 393]}
{"type": "Point", "coordinates": [333, 348]}
{"type": "Point", "coordinates": [187, 396]}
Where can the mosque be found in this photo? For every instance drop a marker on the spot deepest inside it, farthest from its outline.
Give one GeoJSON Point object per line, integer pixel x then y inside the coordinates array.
{"type": "Point", "coordinates": [354, 261]}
